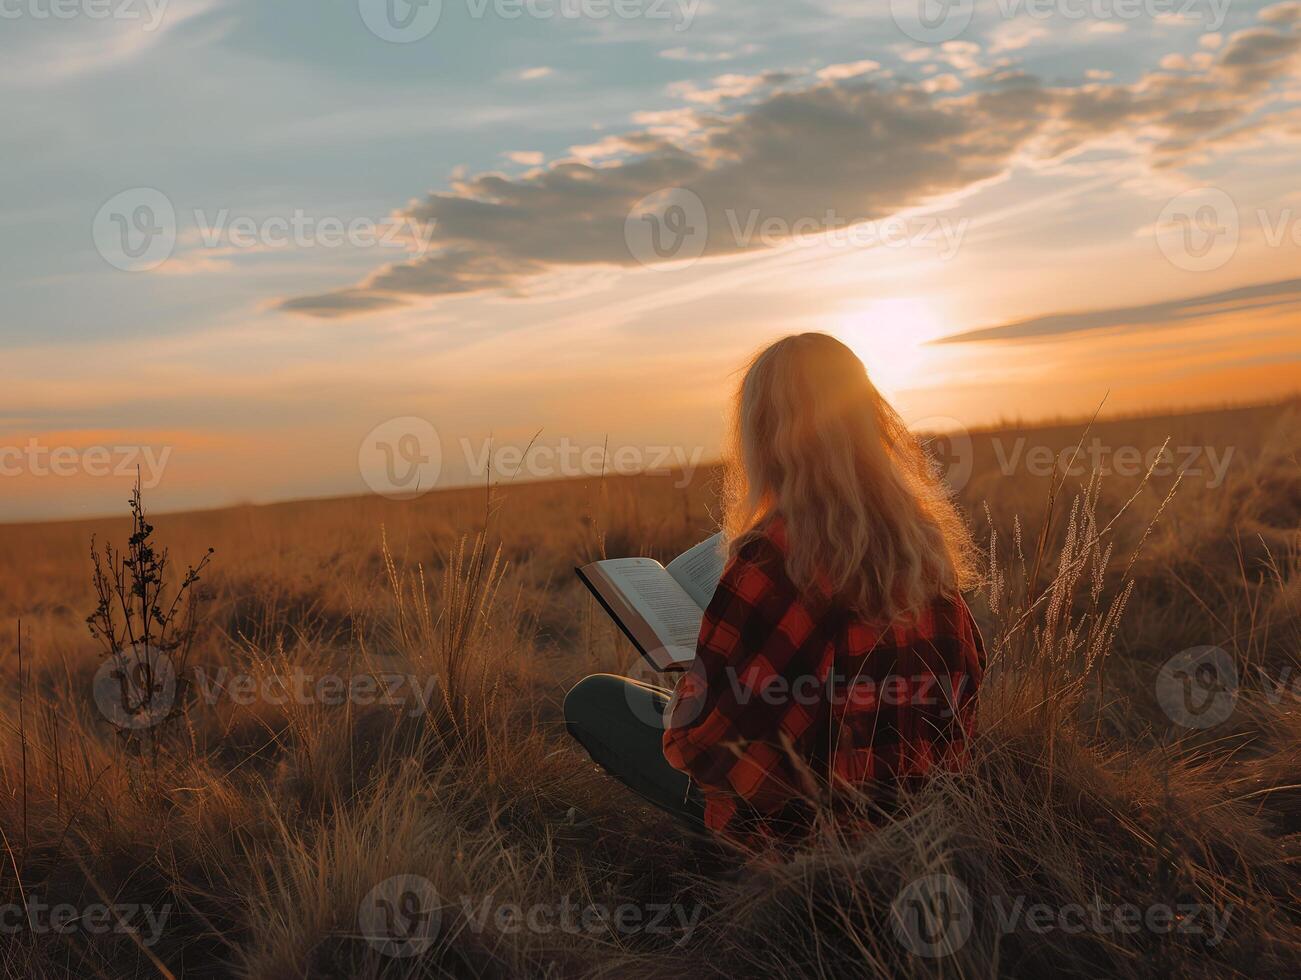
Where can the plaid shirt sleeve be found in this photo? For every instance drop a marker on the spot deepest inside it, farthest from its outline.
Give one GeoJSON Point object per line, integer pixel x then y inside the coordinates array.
{"type": "Point", "coordinates": [733, 720]}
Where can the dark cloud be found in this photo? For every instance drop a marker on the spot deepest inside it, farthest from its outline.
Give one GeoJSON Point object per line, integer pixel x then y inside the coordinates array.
{"type": "Point", "coordinates": [1255, 57]}
{"type": "Point", "coordinates": [1288, 12]}
{"type": "Point", "coordinates": [1269, 295]}
{"type": "Point", "coordinates": [851, 149]}
{"type": "Point", "coordinates": [341, 302]}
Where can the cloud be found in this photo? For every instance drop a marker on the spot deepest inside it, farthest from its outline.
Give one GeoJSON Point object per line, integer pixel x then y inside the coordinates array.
{"type": "Point", "coordinates": [341, 303]}
{"type": "Point", "coordinates": [799, 149]}
{"type": "Point", "coordinates": [942, 83]}
{"type": "Point", "coordinates": [533, 74]}
{"type": "Point", "coordinates": [724, 88]}
{"type": "Point", "coordinates": [688, 54]}
{"type": "Point", "coordinates": [1254, 56]}
{"type": "Point", "coordinates": [961, 55]}
{"type": "Point", "coordinates": [850, 70]}
{"type": "Point", "coordinates": [1284, 293]}
{"type": "Point", "coordinates": [51, 49]}
{"type": "Point", "coordinates": [1282, 14]}
{"type": "Point", "coordinates": [530, 158]}
{"type": "Point", "coordinates": [1015, 35]}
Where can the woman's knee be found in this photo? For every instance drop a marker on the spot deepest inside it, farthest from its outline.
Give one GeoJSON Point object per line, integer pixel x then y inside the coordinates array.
{"type": "Point", "coordinates": [589, 697]}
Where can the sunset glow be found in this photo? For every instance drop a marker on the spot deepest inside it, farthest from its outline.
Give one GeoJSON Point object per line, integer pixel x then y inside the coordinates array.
{"type": "Point", "coordinates": [360, 229]}
{"type": "Point", "coordinates": [892, 337]}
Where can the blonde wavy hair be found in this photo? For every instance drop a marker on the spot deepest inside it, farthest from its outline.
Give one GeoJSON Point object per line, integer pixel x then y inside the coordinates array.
{"type": "Point", "coordinates": [869, 525]}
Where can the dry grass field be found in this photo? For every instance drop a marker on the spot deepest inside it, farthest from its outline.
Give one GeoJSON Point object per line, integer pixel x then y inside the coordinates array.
{"type": "Point", "coordinates": [374, 688]}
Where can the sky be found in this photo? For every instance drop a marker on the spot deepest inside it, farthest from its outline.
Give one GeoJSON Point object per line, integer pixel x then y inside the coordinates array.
{"type": "Point", "coordinates": [265, 251]}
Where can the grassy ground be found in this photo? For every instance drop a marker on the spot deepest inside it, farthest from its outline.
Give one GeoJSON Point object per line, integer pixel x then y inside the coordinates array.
{"type": "Point", "coordinates": [1107, 829]}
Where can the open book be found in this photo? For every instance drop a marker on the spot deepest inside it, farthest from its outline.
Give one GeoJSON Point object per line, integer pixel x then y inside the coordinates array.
{"type": "Point", "coordinates": [659, 607]}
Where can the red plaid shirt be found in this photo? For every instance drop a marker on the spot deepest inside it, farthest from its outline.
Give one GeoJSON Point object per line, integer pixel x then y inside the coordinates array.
{"type": "Point", "coordinates": [783, 699]}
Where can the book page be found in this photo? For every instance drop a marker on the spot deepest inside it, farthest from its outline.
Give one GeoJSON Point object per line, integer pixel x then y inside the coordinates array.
{"type": "Point", "coordinates": [659, 600]}
{"type": "Point", "coordinates": [698, 569]}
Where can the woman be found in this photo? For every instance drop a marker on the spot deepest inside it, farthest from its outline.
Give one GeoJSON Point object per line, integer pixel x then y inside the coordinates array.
{"type": "Point", "coordinates": [837, 658]}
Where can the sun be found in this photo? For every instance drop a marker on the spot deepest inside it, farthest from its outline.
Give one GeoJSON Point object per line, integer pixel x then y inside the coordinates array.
{"type": "Point", "coordinates": [891, 337]}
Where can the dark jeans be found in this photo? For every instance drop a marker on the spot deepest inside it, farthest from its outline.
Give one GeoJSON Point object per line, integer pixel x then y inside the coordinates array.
{"type": "Point", "coordinates": [620, 723]}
